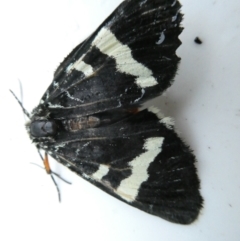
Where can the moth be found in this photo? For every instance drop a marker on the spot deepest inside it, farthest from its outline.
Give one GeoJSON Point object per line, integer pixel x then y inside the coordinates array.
{"type": "Point", "coordinates": [89, 119]}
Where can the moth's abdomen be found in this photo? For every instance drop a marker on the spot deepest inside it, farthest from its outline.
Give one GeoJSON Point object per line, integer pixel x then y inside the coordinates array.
{"type": "Point", "coordinates": [81, 123]}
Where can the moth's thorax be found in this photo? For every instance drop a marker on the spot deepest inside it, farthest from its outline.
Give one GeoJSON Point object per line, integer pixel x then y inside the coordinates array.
{"type": "Point", "coordinates": [43, 128]}
{"type": "Point", "coordinates": [81, 123]}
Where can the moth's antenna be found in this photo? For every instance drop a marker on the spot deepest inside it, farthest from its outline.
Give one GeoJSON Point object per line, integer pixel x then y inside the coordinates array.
{"type": "Point", "coordinates": [21, 90]}
{"type": "Point", "coordinates": [21, 95]}
{"type": "Point", "coordinates": [20, 103]}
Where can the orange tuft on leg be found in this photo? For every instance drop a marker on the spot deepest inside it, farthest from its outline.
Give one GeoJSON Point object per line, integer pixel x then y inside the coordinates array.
{"type": "Point", "coordinates": [46, 164]}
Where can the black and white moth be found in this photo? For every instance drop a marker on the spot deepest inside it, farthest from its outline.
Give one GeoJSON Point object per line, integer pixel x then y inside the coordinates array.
{"type": "Point", "coordinates": [89, 121]}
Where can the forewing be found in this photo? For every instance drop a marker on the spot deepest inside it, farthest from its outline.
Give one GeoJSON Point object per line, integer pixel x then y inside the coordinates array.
{"type": "Point", "coordinates": [140, 160]}
{"type": "Point", "coordinates": [130, 58]}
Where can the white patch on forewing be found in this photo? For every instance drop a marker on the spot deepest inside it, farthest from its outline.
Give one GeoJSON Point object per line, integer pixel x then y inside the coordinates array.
{"type": "Point", "coordinates": [143, 2]}
{"type": "Point", "coordinates": [77, 152]}
{"type": "Point", "coordinates": [101, 172]}
{"type": "Point", "coordinates": [108, 44]}
{"type": "Point", "coordinates": [161, 38]}
{"type": "Point", "coordinates": [86, 144]}
{"type": "Point", "coordinates": [69, 68]}
{"type": "Point", "coordinates": [143, 92]}
{"type": "Point", "coordinates": [56, 147]}
{"type": "Point", "coordinates": [174, 3]}
{"type": "Point", "coordinates": [156, 111]}
{"type": "Point", "coordinates": [174, 18]}
{"type": "Point", "coordinates": [73, 98]}
{"type": "Point", "coordinates": [69, 96]}
{"type": "Point", "coordinates": [129, 187]}
{"type": "Point", "coordinates": [50, 105]}
{"type": "Point", "coordinates": [167, 121]}
{"type": "Point", "coordinates": [86, 176]}
{"type": "Point", "coordinates": [55, 84]}
{"type": "Point", "coordinates": [47, 94]}
{"type": "Point", "coordinates": [144, 82]}
{"type": "Point", "coordinates": [80, 65]}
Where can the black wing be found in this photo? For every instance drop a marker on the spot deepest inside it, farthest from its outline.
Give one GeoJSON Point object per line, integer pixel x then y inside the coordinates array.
{"type": "Point", "coordinates": [129, 59]}
{"type": "Point", "coordinates": [140, 160]}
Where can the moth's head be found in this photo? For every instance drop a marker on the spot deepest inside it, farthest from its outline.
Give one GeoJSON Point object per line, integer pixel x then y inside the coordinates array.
{"type": "Point", "coordinates": [39, 128]}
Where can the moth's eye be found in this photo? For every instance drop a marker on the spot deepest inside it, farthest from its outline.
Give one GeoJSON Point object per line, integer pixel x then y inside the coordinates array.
{"type": "Point", "coordinates": [43, 128]}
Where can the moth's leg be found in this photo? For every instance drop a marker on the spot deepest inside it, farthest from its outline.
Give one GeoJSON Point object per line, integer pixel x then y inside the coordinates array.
{"type": "Point", "coordinates": [48, 170]}
{"type": "Point", "coordinates": [46, 164]}
{"type": "Point", "coordinates": [51, 173]}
